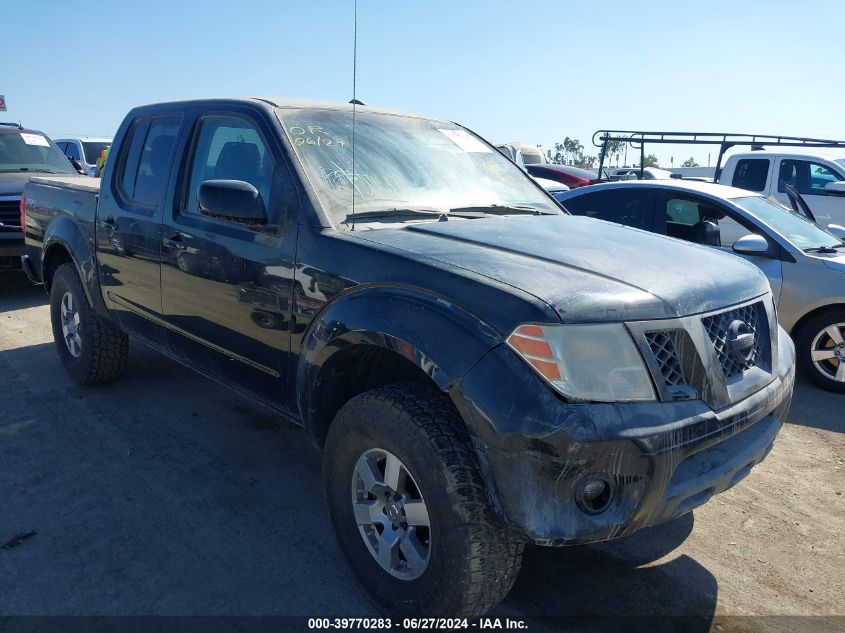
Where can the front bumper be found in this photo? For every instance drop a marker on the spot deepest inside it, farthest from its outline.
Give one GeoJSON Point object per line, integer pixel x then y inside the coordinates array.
{"type": "Point", "coordinates": [11, 249]}
{"type": "Point", "coordinates": [661, 459]}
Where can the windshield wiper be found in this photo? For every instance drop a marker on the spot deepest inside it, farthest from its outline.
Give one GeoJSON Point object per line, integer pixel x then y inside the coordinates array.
{"type": "Point", "coordinates": [499, 209]}
{"type": "Point", "coordinates": [393, 213]}
{"type": "Point", "coordinates": [824, 249]}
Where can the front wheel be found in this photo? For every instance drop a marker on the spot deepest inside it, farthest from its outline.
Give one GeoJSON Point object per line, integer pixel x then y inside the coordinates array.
{"type": "Point", "coordinates": [410, 508]}
{"type": "Point", "coordinates": [820, 347]}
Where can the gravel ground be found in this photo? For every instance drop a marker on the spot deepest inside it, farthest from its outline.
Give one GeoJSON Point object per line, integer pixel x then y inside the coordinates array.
{"type": "Point", "coordinates": [166, 494]}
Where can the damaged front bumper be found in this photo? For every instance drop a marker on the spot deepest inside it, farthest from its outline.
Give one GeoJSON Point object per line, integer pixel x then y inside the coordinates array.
{"type": "Point", "coordinates": [543, 458]}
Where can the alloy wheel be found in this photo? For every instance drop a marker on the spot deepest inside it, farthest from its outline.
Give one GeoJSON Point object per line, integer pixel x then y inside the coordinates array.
{"type": "Point", "coordinates": [391, 514]}
{"type": "Point", "coordinates": [70, 325]}
{"type": "Point", "coordinates": [827, 351]}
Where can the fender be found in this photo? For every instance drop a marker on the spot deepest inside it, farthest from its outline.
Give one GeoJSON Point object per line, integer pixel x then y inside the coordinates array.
{"type": "Point", "coordinates": [438, 336]}
{"type": "Point", "coordinates": [69, 233]}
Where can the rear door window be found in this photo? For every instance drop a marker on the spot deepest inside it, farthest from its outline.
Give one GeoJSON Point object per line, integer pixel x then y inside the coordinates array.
{"type": "Point", "coordinates": [751, 174]}
{"type": "Point", "coordinates": [623, 206]}
{"type": "Point", "coordinates": [143, 165]}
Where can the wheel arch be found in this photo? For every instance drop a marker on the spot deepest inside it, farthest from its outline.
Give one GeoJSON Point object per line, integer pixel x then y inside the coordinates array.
{"type": "Point", "coordinates": [65, 243]}
{"type": "Point", "coordinates": [796, 328]}
{"type": "Point", "coordinates": [376, 336]}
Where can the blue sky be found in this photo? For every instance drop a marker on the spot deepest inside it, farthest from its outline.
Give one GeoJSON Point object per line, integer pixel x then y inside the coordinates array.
{"type": "Point", "coordinates": [528, 71]}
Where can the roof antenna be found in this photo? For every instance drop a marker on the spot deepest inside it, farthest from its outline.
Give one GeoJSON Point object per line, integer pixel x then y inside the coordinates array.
{"type": "Point", "coordinates": [354, 102]}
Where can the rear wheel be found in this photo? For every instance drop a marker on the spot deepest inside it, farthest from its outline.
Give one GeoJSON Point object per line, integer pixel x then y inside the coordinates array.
{"type": "Point", "coordinates": [91, 349]}
{"type": "Point", "coordinates": [410, 508]}
{"type": "Point", "coordinates": [820, 347]}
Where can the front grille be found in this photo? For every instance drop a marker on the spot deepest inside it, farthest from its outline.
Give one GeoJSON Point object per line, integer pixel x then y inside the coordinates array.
{"type": "Point", "coordinates": [663, 347]}
{"type": "Point", "coordinates": [10, 215]}
{"type": "Point", "coordinates": [717, 326]}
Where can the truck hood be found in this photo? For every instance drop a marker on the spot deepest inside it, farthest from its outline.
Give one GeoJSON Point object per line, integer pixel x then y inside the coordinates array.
{"type": "Point", "coordinates": [12, 184]}
{"type": "Point", "coordinates": [587, 270]}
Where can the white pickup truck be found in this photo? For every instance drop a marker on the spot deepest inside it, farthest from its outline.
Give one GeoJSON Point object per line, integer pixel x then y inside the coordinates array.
{"type": "Point", "coordinates": [818, 175]}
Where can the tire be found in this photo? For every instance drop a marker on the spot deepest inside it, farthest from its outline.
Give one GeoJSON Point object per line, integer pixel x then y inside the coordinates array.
{"type": "Point", "coordinates": [823, 336]}
{"type": "Point", "coordinates": [99, 350]}
{"type": "Point", "coordinates": [471, 561]}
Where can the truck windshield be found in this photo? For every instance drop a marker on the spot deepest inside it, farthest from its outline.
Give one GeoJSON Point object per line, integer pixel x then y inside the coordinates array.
{"type": "Point", "coordinates": [796, 228]}
{"type": "Point", "coordinates": [405, 163]}
{"type": "Point", "coordinates": [31, 152]}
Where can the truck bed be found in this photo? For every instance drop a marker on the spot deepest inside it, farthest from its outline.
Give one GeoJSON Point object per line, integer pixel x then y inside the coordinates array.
{"type": "Point", "coordinates": [69, 201]}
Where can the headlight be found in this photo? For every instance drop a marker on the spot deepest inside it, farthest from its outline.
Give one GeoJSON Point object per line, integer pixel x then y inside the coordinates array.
{"type": "Point", "coordinates": [596, 363]}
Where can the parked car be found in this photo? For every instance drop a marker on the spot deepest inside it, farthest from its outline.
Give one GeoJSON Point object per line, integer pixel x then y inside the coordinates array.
{"type": "Point", "coordinates": [551, 186]}
{"type": "Point", "coordinates": [572, 177]}
{"type": "Point", "coordinates": [531, 154]}
{"type": "Point", "coordinates": [633, 173]}
{"type": "Point", "coordinates": [514, 154]}
{"type": "Point", "coordinates": [480, 368]}
{"type": "Point", "coordinates": [85, 150]}
{"type": "Point", "coordinates": [818, 175]}
{"type": "Point", "coordinates": [805, 264]}
{"type": "Point", "coordinates": [23, 153]}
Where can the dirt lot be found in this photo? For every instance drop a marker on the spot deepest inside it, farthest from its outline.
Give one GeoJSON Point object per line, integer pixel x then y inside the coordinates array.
{"type": "Point", "coordinates": [166, 494]}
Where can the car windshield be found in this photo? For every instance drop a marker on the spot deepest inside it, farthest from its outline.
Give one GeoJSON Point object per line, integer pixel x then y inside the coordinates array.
{"type": "Point", "coordinates": [800, 231]}
{"type": "Point", "coordinates": [93, 150]}
{"type": "Point", "coordinates": [31, 152]}
{"type": "Point", "coordinates": [408, 167]}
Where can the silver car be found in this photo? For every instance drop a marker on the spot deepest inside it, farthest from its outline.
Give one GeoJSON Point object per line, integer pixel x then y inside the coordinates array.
{"type": "Point", "coordinates": [805, 263]}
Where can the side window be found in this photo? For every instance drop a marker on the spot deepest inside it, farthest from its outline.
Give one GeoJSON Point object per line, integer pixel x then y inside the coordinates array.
{"type": "Point", "coordinates": [145, 154]}
{"type": "Point", "coordinates": [807, 177]}
{"type": "Point", "coordinates": [155, 157]}
{"type": "Point", "coordinates": [72, 151]}
{"type": "Point", "coordinates": [623, 206]}
{"type": "Point", "coordinates": [693, 221]}
{"type": "Point", "coordinates": [62, 147]}
{"type": "Point", "coordinates": [751, 174]}
{"type": "Point", "coordinates": [230, 148]}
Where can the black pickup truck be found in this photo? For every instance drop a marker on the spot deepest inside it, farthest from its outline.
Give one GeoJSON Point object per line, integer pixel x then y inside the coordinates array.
{"type": "Point", "coordinates": [481, 369]}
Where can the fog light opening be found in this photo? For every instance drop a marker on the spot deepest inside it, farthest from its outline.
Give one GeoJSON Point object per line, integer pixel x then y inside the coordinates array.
{"type": "Point", "coordinates": [594, 493]}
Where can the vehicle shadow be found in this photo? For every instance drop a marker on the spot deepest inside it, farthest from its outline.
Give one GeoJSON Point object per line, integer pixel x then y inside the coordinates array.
{"type": "Point", "coordinates": [17, 292]}
{"type": "Point", "coordinates": [164, 494]}
{"type": "Point", "coordinates": [610, 586]}
{"type": "Point", "coordinates": [816, 407]}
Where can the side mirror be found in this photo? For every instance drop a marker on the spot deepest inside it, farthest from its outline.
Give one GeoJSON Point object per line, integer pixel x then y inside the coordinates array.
{"type": "Point", "coordinates": [77, 166]}
{"type": "Point", "coordinates": [233, 200]}
{"type": "Point", "coordinates": [751, 245]}
{"type": "Point", "coordinates": [837, 230]}
{"type": "Point", "coordinates": [836, 188]}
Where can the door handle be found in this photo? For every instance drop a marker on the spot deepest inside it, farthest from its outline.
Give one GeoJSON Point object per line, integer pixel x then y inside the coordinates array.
{"type": "Point", "coordinates": [175, 242]}
{"type": "Point", "coordinates": [108, 223]}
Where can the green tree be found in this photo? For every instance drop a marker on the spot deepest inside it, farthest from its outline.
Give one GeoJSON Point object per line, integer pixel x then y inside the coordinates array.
{"type": "Point", "coordinates": [689, 162]}
{"type": "Point", "coordinates": [613, 148]}
{"type": "Point", "coordinates": [650, 161]}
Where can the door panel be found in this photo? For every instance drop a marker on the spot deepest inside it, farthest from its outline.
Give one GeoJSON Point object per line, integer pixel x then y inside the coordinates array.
{"type": "Point", "coordinates": [129, 219]}
{"type": "Point", "coordinates": [226, 287]}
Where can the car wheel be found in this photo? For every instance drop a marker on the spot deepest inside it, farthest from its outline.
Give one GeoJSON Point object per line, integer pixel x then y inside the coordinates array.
{"type": "Point", "coordinates": [820, 346]}
{"type": "Point", "coordinates": [91, 349]}
{"type": "Point", "coordinates": [410, 508]}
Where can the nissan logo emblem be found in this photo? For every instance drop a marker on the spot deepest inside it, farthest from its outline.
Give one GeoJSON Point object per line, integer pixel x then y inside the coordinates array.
{"type": "Point", "coordinates": [740, 341]}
